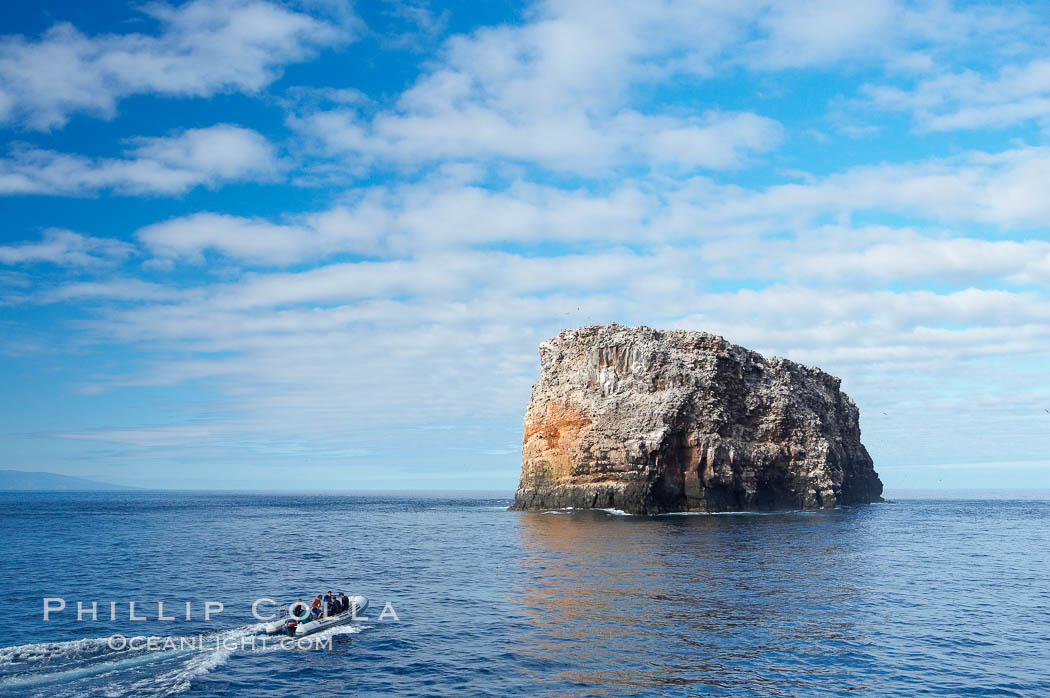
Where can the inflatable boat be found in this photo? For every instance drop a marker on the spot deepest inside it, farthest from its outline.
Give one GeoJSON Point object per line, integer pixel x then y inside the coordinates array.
{"type": "Point", "coordinates": [297, 628]}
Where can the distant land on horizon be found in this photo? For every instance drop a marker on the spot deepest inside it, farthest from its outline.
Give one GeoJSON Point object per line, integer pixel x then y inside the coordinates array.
{"type": "Point", "coordinates": [24, 480]}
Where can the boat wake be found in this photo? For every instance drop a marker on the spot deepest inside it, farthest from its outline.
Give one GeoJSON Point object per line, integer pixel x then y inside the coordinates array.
{"type": "Point", "coordinates": [153, 665]}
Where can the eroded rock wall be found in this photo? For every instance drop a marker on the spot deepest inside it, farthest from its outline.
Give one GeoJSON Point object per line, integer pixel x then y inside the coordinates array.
{"type": "Point", "coordinates": [652, 421]}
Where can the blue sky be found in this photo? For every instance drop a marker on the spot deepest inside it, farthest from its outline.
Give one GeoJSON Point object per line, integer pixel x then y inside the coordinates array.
{"type": "Point", "coordinates": [262, 244]}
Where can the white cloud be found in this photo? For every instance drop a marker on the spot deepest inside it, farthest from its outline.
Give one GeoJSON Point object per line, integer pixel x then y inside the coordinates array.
{"type": "Point", "coordinates": [970, 100]}
{"type": "Point", "coordinates": [222, 151]}
{"type": "Point", "coordinates": [563, 90]}
{"type": "Point", "coordinates": [556, 92]}
{"type": "Point", "coordinates": [955, 259]}
{"type": "Point", "coordinates": [418, 24]}
{"type": "Point", "coordinates": [458, 287]}
{"type": "Point", "coordinates": [876, 255]}
{"type": "Point", "coordinates": [64, 247]}
{"type": "Point", "coordinates": [1003, 188]}
{"type": "Point", "coordinates": [250, 240]}
{"type": "Point", "coordinates": [202, 47]}
{"type": "Point", "coordinates": [165, 435]}
{"type": "Point", "coordinates": [569, 141]}
{"type": "Point", "coordinates": [449, 275]}
{"type": "Point", "coordinates": [162, 165]}
{"type": "Point", "coordinates": [899, 35]}
{"type": "Point", "coordinates": [118, 289]}
{"type": "Point", "coordinates": [407, 220]}
{"type": "Point", "coordinates": [798, 34]}
{"type": "Point", "coordinates": [446, 211]}
{"type": "Point", "coordinates": [718, 142]}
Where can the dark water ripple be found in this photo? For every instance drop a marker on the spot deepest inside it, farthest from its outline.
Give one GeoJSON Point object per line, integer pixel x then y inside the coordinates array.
{"type": "Point", "coordinates": [914, 598]}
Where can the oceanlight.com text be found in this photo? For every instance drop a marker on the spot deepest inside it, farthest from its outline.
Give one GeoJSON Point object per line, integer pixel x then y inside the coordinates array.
{"type": "Point", "coordinates": [203, 643]}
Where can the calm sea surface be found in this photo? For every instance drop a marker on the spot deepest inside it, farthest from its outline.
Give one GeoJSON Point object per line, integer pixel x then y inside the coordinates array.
{"type": "Point", "coordinates": [921, 596]}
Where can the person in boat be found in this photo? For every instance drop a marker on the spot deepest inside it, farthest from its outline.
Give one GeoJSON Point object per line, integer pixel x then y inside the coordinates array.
{"type": "Point", "coordinates": [329, 604]}
{"type": "Point", "coordinates": [344, 603]}
{"type": "Point", "coordinates": [299, 609]}
{"type": "Point", "coordinates": [316, 609]}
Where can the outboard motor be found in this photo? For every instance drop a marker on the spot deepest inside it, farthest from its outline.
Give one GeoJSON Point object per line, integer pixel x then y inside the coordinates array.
{"type": "Point", "coordinates": [290, 626]}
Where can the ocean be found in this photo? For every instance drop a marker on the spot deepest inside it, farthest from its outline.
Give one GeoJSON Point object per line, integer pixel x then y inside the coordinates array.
{"type": "Point", "coordinates": [915, 596]}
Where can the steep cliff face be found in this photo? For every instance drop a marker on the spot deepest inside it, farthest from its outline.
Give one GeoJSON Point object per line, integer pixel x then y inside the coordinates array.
{"type": "Point", "coordinates": [649, 421]}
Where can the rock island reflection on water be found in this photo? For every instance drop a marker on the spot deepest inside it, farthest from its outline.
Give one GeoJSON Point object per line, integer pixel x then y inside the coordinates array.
{"type": "Point", "coordinates": [633, 603]}
{"type": "Point", "coordinates": [649, 421]}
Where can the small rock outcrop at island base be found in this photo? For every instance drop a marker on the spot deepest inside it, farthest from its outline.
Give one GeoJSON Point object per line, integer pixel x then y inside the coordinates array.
{"type": "Point", "coordinates": [649, 421]}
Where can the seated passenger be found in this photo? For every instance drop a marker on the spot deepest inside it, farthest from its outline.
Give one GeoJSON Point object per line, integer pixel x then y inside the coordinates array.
{"type": "Point", "coordinates": [316, 610]}
{"type": "Point", "coordinates": [344, 603]}
{"type": "Point", "coordinates": [299, 609]}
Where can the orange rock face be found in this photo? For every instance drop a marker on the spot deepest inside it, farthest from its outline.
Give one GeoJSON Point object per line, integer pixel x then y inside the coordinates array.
{"type": "Point", "coordinates": [552, 435]}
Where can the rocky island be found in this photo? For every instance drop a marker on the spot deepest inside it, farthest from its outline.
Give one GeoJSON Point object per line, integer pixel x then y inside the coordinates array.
{"type": "Point", "coordinates": [649, 421]}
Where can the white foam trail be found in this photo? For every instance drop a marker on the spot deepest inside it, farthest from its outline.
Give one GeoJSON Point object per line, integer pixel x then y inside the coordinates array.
{"type": "Point", "coordinates": [96, 669]}
{"type": "Point", "coordinates": [42, 651]}
{"type": "Point", "coordinates": [341, 630]}
{"type": "Point", "coordinates": [179, 679]}
{"type": "Point", "coordinates": [209, 652]}
{"type": "Point", "coordinates": [616, 512]}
